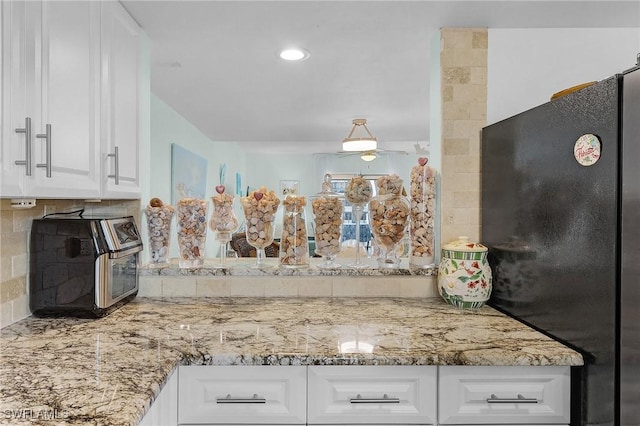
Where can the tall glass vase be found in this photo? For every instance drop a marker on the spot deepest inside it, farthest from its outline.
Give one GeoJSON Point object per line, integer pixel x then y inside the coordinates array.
{"type": "Point", "coordinates": [159, 216]}
{"type": "Point", "coordinates": [358, 192]}
{"type": "Point", "coordinates": [259, 209]}
{"type": "Point", "coordinates": [294, 245]}
{"type": "Point", "coordinates": [357, 211]}
{"type": "Point", "coordinates": [223, 223]}
{"type": "Point", "coordinates": [390, 212]}
{"type": "Point", "coordinates": [327, 209]}
{"type": "Point", "coordinates": [192, 231]}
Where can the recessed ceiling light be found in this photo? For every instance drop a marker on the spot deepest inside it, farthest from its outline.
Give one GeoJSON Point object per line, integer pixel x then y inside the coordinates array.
{"type": "Point", "coordinates": [294, 54]}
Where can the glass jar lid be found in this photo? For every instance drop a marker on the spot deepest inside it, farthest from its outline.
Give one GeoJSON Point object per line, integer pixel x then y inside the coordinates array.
{"type": "Point", "coordinates": [327, 188]}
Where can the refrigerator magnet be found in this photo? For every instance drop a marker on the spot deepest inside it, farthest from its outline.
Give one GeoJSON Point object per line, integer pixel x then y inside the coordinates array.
{"type": "Point", "coordinates": [587, 149]}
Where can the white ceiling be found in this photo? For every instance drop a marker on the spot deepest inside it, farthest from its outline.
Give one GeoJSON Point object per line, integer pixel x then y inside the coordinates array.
{"type": "Point", "coordinates": [215, 62]}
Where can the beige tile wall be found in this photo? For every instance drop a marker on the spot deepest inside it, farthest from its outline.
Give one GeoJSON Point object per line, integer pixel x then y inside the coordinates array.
{"type": "Point", "coordinates": [15, 226]}
{"type": "Point", "coordinates": [463, 66]}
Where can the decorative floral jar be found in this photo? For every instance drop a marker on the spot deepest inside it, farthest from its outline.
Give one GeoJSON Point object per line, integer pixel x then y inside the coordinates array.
{"type": "Point", "coordinates": [192, 231]}
{"type": "Point", "coordinates": [327, 209]}
{"type": "Point", "coordinates": [159, 217]}
{"type": "Point", "coordinates": [464, 275]}
{"type": "Point", "coordinates": [390, 213]}
{"type": "Point", "coordinates": [294, 245]}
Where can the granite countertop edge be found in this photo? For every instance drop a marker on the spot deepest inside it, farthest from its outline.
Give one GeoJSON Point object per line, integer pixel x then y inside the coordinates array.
{"type": "Point", "coordinates": [110, 370]}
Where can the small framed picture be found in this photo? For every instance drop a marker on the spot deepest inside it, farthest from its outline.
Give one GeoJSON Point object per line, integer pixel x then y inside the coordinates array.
{"type": "Point", "coordinates": [289, 187]}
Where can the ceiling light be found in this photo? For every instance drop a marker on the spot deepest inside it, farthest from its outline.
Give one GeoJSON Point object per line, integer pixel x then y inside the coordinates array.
{"type": "Point", "coordinates": [364, 142]}
{"type": "Point", "coordinates": [294, 54]}
{"type": "Point", "coordinates": [368, 156]}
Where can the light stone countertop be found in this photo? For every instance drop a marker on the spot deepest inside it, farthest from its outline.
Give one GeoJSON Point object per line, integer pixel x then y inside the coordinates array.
{"type": "Point", "coordinates": [108, 371]}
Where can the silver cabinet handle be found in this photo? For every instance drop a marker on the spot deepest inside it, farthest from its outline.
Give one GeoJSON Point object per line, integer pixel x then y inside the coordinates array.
{"type": "Point", "coordinates": [27, 140]}
{"type": "Point", "coordinates": [384, 400]}
{"type": "Point", "coordinates": [116, 165]}
{"type": "Point", "coordinates": [518, 400]}
{"type": "Point", "coordinates": [47, 141]}
{"type": "Point", "coordinates": [230, 400]}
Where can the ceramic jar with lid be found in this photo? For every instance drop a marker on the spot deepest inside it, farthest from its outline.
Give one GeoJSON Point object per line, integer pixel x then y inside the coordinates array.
{"type": "Point", "coordinates": [464, 274]}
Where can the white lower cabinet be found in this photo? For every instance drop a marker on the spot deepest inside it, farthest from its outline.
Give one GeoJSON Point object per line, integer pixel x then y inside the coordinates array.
{"type": "Point", "coordinates": [368, 395]}
{"type": "Point", "coordinates": [372, 395]}
{"type": "Point", "coordinates": [504, 395]}
{"type": "Point", "coordinates": [214, 395]}
{"type": "Point", "coordinates": [164, 410]}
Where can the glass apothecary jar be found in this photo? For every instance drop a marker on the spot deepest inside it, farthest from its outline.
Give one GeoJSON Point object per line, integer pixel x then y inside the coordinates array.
{"type": "Point", "coordinates": [327, 209]}
{"type": "Point", "coordinates": [159, 216]}
{"type": "Point", "coordinates": [294, 246]}
{"type": "Point", "coordinates": [389, 219]}
{"type": "Point", "coordinates": [192, 231]}
{"type": "Point", "coordinates": [423, 203]}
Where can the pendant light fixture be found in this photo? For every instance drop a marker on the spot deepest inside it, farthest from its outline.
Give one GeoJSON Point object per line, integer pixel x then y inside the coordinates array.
{"type": "Point", "coordinates": [368, 156]}
{"type": "Point", "coordinates": [360, 138]}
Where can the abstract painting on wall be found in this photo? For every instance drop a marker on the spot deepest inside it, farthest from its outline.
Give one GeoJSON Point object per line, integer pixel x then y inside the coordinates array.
{"type": "Point", "coordinates": [188, 174]}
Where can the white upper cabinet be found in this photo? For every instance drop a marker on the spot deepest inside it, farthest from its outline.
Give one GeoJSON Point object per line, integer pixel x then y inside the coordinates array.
{"type": "Point", "coordinates": [66, 100]}
{"type": "Point", "coordinates": [51, 58]}
{"type": "Point", "coordinates": [121, 77]}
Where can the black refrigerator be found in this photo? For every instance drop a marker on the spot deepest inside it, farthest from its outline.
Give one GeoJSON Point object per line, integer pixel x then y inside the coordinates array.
{"type": "Point", "coordinates": [561, 218]}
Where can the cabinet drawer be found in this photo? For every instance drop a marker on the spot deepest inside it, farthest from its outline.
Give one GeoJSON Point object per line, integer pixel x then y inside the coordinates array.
{"type": "Point", "coordinates": [504, 395]}
{"type": "Point", "coordinates": [242, 395]}
{"type": "Point", "coordinates": [372, 395]}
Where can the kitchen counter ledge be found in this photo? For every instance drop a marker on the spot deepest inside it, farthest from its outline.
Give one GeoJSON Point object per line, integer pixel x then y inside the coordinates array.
{"type": "Point", "coordinates": [108, 371]}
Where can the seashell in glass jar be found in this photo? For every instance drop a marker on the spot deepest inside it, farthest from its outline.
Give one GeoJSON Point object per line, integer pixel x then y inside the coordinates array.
{"type": "Point", "coordinates": [294, 246]}
{"type": "Point", "coordinates": [327, 209]}
{"type": "Point", "coordinates": [421, 228]}
{"type": "Point", "coordinates": [464, 274]}
{"type": "Point", "coordinates": [389, 219]}
{"type": "Point", "coordinates": [159, 216]}
{"type": "Point", "coordinates": [192, 231]}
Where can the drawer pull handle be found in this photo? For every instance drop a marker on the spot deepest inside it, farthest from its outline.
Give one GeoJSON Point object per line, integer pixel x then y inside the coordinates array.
{"type": "Point", "coordinates": [384, 400]}
{"type": "Point", "coordinates": [230, 400]}
{"type": "Point", "coordinates": [519, 400]}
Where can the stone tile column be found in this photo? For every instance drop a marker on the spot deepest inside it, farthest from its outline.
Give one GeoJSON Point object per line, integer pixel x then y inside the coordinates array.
{"type": "Point", "coordinates": [463, 66]}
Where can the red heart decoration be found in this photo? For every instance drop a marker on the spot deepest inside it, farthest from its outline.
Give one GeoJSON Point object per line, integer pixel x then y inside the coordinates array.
{"type": "Point", "coordinates": [422, 161]}
{"type": "Point", "coordinates": [219, 189]}
{"type": "Point", "coordinates": [258, 196]}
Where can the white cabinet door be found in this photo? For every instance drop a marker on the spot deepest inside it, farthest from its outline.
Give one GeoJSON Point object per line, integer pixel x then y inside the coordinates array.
{"type": "Point", "coordinates": [242, 395]}
{"type": "Point", "coordinates": [51, 64]}
{"type": "Point", "coordinates": [14, 145]}
{"type": "Point", "coordinates": [164, 410]}
{"type": "Point", "coordinates": [372, 394]}
{"type": "Point", "coordinates": [504, 395]}
{"type": "Point", "coordinates": [121, 85]}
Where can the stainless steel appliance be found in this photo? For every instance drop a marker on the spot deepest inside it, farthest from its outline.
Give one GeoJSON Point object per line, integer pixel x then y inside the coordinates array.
{"type": "Point", "coordinates": [82, 266]}
{"type": "Point", "coordinates": [568, 215]}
